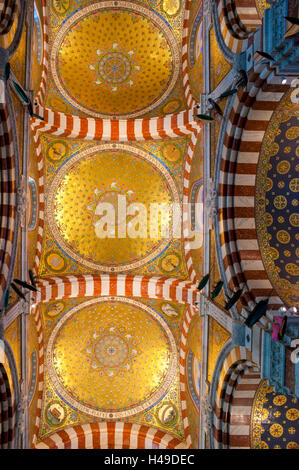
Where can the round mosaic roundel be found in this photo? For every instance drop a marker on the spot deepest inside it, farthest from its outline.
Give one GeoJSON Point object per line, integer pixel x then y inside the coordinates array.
{"type": "Point", "coordinates": [111, 357]}
{"type": "Point", "coordinates": [115, 59]}
{"type": "Point", "coordinates": [108, 177]}
{"type": "Point", "coordinates": [115, 67]}
{"type": "Point", "coordinates": [111, 350]}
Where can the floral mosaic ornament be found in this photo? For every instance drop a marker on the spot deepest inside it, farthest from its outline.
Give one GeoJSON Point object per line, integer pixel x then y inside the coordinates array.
{"type": "Point", "coordinates": [126, 78]}
{"type": "Point", "coordinates": [55, 413]}
{"type": "Point", "coordinates": [167, 414]}
{"type": "Point", "coordinates": [116, 370]}
{"type": "Point", "coordinates": [61, 7]}
{"type": "Point", "coordinates": [114, 67]}
{"type": "Point", "coordinates": [111, 351]}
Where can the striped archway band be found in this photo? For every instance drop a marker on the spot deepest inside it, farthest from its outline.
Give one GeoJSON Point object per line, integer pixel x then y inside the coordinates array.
{"type": "Point", "coordinates": [248, 120]}
{"type": "Point", "coordinates": [237, 382]}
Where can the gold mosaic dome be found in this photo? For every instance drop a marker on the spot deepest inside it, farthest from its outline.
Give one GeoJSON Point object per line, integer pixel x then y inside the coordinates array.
{"type": "Point", "coordinates": [104, 178]}
{"type": "Point", "coordinates": [104, 76]}
{"type": "Point", "coordinates": [111, 357]}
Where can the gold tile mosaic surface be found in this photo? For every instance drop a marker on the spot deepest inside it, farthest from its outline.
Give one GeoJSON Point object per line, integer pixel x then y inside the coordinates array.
{"type": "Point", "coordinates": [75, 190]}
{"type": "Point", "coordinates": [217, 339]}
{"type": "Point", "coordinates": [99, 75]}
{"type": "Point", "coordinates": [146, 353]}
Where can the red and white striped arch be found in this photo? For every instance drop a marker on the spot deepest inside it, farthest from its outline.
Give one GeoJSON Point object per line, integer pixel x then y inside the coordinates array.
{"type": "Point", "coordinates": [110, 435]}
{"type": "Point", "coordinates": [77, 127]}
{"type": "Point", "coordinates": [8, 182]}
{"type": "Point", "coordinates": [239, 415]}
{"type": "Point", "coordinates": [248, 121]}
{"type": "Point", "coordinates": [237, 20]}
{"type": "Point", "coordinates": [87, 285]}
{"type": "Point", "coordinates": [41, 199]}
{"type": "Point", "coordinates": [186, 211]}
{"type": "Point", "coordinates": [162, 130]}
{"type": "Point", "coordinates": [237, 361]}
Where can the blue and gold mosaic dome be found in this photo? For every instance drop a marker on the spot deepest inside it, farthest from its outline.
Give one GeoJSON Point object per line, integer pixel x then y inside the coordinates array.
{"type": "Point", "coordinates": [277, 203]}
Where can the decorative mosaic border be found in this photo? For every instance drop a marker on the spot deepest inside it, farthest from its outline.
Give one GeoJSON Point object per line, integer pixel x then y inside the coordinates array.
{"type": "Point", "coordinates": [139, 9]}
{"type": "Point", "coordinates": [260, 201]}
{"type": "Point", "coordinates": [256, 415]}
{"type": "Point", "coordinates": [64, 170]}
{"type": "Point", "coordinates": [171, 374]}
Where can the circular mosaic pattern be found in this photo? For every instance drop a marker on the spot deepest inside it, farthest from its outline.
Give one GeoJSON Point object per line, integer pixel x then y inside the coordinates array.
{"type": "Point", "coordinates": [171, 152]}
{"type": "Point", "coordinates": [111, 357]}
{"type": "Point", "coordinates": [57, 150]}
{"type": "Point", "coordinates": [276, 202]}
{"type": "Point", "coordinates": [55, 262]}
{"type": "Point", "coordinates": [115, 67]}
{"type": "Point", "coordinates": [167, 414]}
{"type": "Point", "coordinates": [170, 262]}
{"type": "Point", "coordinates": [54, 309]}
{"type": "Point", "coordinates": [107, 177]}
{"type": "Point", "coordinates": [171, 7]}
{"type": "Point", "coordinates": [103, 76]}
{"type": "Point", "coordinates": [111, 350]}
{"type": "Point", "coordinates": [172, 106]}
{"type": "Point", "coordinates": [55, 413]}
{"type": "Point", "coordinates": [279, 400]}
{"type": "Point", "coordinates": [292, 414]}
{"type": "Point", "coordinates": [276, 430]}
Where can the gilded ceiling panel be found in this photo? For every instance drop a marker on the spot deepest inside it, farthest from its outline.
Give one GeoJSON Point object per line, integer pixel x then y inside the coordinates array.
{"type": "Point", "coordinates": [116, 59]}
{"type": "Point", "coordinates": [116, 358]}
{"type": "Point", "coordinates": [83, 180]}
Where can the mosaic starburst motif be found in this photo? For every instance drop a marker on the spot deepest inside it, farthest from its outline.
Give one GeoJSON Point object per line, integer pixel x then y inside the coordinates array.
{"type": "Point", "coordinates": [114, 67]}
{"type": "Point", "coordinates": [111, 351]}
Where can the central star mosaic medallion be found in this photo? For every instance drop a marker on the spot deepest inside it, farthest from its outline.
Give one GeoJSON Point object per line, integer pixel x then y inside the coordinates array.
{"type": "Point", "coordinates": [111, 357]}
{"type": "Point", "coordinates": [111, 351]}
{"type": "Point", "coordinates": [114, 68]}
{"type": "Point", "coordinates": [103, 76]}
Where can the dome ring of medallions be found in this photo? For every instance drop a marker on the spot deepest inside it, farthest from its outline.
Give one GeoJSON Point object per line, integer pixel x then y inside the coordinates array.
{"type": "Point", "coordinates": [64, 170]}
{"type": "Point", "coordinates": [151, 17]}
{"type": "Point", "coordinates": [130, 411]}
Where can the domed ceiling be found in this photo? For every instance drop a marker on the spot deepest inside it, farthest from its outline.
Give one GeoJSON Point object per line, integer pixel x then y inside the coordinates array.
{"type": "Point", "coordinates": [116, 58]}
{"type": "Point", "coordinates": [277, 213]}
{"type": "Point", "coordinates": [108, 176]}
{"type": "Point", "coordinates": [112, 358]}
{"type": "Point", "coordinates": [101, 215]}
